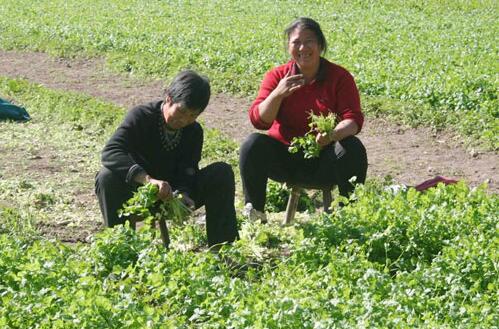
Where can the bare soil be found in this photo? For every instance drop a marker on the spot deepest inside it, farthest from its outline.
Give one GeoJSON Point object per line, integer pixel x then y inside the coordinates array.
{"type": "Point", "coordinates": [408, 155]}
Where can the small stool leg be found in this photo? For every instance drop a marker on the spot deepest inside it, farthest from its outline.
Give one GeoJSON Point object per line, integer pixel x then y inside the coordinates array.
{"type": "Point", "coordinates": [292, 204]}
{"type": "Point", "coordinates": [326, 200]}
{"type": "Point", "coordinates": [165, 236]}
{"type": "Point", "coordinates": [133, 222]}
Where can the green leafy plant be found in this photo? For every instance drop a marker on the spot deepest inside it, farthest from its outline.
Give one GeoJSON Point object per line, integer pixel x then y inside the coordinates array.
{"type": "Point", "coordinates": [146, 205]}
{"type": "Point", "coordinates": [307, 144]}
{"type": "Point", "coordinates": [278, 196]}
{"type": "Point", "coordinates": [390, 259]}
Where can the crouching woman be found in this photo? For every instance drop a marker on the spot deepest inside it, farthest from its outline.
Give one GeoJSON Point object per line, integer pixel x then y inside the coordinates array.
{"type": "Point", "coordinates": [160, 143]}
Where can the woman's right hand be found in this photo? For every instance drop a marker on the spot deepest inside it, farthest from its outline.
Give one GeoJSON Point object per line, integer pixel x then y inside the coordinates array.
{"type": "Point", "coordinates": [269, 108]}
{"type": "Point", "coordinates": [289, 84]}
{"type": "Point", "coordinates": [164, 189]}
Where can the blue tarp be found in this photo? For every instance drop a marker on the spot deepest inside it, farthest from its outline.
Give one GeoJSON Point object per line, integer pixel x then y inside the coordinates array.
{"type": "Point", "coordinates": [12, 112]}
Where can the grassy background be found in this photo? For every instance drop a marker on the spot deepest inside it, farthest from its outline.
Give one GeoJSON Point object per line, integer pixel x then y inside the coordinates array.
{"type": "Point", "coordinates": [397, 260]}
{"type": "Point", "coordinates": [432, 62]}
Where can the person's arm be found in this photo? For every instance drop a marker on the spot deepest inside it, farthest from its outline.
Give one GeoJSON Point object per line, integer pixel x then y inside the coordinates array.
{"type": "Point", "coordinates": [349, 112]}
{"type": "Point", "coordinates": [276, 85]}
{"type": "Point", "coordinates": [269, 108]}
{"type": "Point", "coordinates": [116, 155]}
{"type": "Point", "coordinates": [164, 189]}
{"type": "Point", "coordinates": [342, 130]}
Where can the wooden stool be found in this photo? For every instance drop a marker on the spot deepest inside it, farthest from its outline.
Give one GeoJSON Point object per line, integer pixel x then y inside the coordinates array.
{"type": "Point", "coordinates": [163, 229]}
{"type": "Point", "coordinates": [295, 196]}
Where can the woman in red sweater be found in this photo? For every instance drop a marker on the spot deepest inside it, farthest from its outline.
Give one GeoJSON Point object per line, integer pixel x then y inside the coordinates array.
{"type": "Point", "coordinates": [288, 93]}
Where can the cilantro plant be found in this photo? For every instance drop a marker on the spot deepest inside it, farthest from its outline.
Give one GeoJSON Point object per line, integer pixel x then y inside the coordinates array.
{"type": "Point", "coordinates": [307, 144]}
{"type": "Point", "coordinates": [146, 205]}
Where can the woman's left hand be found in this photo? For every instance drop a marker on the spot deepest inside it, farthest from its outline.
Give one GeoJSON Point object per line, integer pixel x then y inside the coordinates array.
{"type": "Point", "coordinates": [343, 129]}
{"type": "Point", "coordinates": [324, 139]}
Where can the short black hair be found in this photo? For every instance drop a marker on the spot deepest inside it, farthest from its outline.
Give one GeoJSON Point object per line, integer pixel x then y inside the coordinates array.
{"type": "Point", "coordinates": [306, 23]}
{"type": "Point", "coordinates": [189, 89]}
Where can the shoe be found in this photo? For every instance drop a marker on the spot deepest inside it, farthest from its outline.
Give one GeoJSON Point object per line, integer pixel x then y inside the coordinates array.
{"type": "Point", "coordinates": [254, 215]}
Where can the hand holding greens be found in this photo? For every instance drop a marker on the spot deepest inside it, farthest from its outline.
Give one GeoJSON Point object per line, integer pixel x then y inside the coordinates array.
{"type": "Point", "coordinates": [146, 205]}
{"type": "Point", "coordinates": [307, 143]}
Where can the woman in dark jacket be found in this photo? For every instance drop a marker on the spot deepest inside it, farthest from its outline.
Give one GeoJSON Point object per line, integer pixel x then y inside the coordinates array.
{"type": "Point", "coordinates": [160, 143]}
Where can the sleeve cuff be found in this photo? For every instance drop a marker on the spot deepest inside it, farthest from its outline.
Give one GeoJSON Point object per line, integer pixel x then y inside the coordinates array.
{"type": "Point", "coordinates": [255, 118]}
{"type": "Point", "coordinates": [132, 172]}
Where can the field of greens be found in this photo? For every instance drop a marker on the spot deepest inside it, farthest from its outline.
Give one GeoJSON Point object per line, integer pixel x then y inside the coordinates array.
{"type": "Point", "coordinates": [388, 261]}
{"type": "Point", "coordinates": [390, 258]}
{"type": "Point", "coordinates": [432, 62]}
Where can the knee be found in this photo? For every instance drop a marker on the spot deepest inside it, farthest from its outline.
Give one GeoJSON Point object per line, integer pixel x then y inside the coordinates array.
{"type": "Point", "coordinates": [355, 149]}
{"type": "Point", "coordinates": [221, 171]}
{"type": "Point", "coordinates": [105, 178]}
{"type": "Point", "coordinates": [355, 162]}
{"type": "Point", "coordinates": [101, 178]}
{"type": "Point", "coordinates": [252, 143]}
{"type": "Point", "coordinates": [222, 175]}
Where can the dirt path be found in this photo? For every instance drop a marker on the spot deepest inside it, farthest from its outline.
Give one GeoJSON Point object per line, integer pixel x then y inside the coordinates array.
{"type": "Point", "coordinates": [408, 155]}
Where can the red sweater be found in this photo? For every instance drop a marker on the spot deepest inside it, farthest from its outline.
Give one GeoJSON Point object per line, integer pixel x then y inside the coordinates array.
{"type": "Point", "coordinates": [334, 90]}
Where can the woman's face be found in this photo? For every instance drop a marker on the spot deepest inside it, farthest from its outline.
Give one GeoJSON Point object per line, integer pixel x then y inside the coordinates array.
{"type": "Point", "coordinates": [304, 48]}
{"type": "Point", "coordinates": [176, 116]}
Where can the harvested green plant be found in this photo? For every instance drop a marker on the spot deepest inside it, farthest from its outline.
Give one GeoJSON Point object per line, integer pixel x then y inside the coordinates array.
{"type": "Point", "coordinates": [146, 205]}
{"type": "Point", "coordinates": [318, 124]}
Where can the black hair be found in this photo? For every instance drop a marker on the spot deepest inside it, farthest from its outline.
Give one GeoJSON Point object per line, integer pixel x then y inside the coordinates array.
{"type": "Point", "coordinates": [306, 23]}
{"type": "Point", "coordinates": [189, 89]}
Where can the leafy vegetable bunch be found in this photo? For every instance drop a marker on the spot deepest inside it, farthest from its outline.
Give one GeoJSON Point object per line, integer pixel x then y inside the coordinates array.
{"type": "Point", "coordinates": [307, 143]}
{"type": "Point", "coordinates": [146, 205]}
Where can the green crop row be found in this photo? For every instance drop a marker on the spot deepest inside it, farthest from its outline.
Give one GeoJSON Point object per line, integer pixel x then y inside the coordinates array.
{"type": "Point", "coordinates": [436, 59]}
{"type": "Point", "coordinates": [408, 259]}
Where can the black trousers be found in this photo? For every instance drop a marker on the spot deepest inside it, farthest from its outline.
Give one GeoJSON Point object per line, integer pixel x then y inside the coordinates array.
{"type": "Point", "coordinates": [214, 188]}
{"type": "Point", "coordinates": [263, 157]}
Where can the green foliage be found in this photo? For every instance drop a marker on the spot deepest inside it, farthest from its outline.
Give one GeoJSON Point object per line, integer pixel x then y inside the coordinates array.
{"type": "Point", "coordinates": [438, 59]}
{"type": "Point", "coordinates": [146, 205]}
{"type": "Point", "coordinates": [48, 164]}
{"type": "Point", "coordinates": [13, 222]}
{"type": "Point", "coordinates": [278, 196]}
{"type": "Point", "coordinates": [405, 259]}
{"type": "Point", "coordinates": [307, 144]}
{"type": "Point", "coordinates": [393, 260]}
{"type": "Point", "coordinates": [217, 147]}
{"type": "Point", "coordinates": [70, 110]}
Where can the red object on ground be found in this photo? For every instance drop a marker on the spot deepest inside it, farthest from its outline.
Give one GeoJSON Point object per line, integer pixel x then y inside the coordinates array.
{"type": "Point", "coordinates": [433, 182]}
